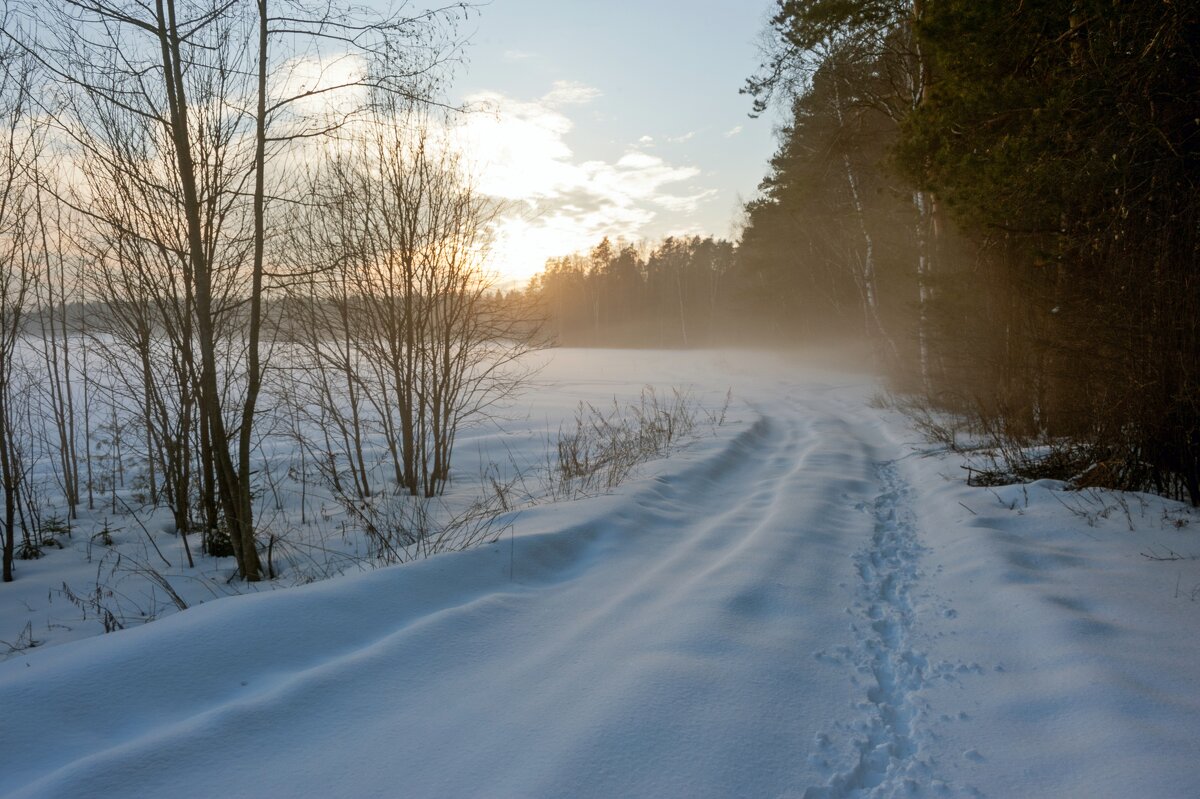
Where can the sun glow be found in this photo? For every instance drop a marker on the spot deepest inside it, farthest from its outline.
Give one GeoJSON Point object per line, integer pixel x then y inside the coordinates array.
{"type": "Point", "coordinates": [560, 204]}
{"type": "Point", "coordinates": [520, 247]}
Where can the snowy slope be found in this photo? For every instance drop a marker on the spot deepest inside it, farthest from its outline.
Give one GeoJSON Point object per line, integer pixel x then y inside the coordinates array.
{"type": "Point", "coordinates": [802, 605]}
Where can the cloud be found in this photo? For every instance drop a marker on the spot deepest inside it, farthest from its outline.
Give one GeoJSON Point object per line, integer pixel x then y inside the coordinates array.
{"type": "Point", "coordinates": [563, 203]}
{"type": "Point", "coordinates": [519, 147]}
{"type": "Point", "coordinates": [636, 160]}
{"type": "Point", "coordinates": [566, 92]}
{"type": "Point", "coordinates": [729, 134]}
{"type": "Point", "coordinates": [687, 203]}
{"type": "Point", "coordinates": [681, 139]}
{"type": "Point", "coordinates": [518, 55]}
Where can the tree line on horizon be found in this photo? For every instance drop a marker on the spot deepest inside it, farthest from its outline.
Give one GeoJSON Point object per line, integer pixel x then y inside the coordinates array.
{"type": "Point", "coordinates": [621, 294]}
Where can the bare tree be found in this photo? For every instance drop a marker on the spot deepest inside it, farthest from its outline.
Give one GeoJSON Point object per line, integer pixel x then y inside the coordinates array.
{"type": "Point", "coordinates": [18, 265]}
{"type": "Point", "coordinates": [56, 287]}
{"type": "Point", "coordinates": [410, 325]}
{"type": "Point", "coordinates": [327, 386]}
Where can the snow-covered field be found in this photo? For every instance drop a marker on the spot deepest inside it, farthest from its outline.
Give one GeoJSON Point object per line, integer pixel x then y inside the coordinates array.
{"type": "Point", "coordinates": [800, 602]}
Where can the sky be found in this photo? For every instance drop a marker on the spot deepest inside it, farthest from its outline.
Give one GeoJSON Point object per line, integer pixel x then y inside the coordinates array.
{"type": "Point", "coordinates": [619, 118]}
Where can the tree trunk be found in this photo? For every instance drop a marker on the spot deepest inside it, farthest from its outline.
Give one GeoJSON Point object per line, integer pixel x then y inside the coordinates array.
{"type": "Point", "coordinates": [234, 495]}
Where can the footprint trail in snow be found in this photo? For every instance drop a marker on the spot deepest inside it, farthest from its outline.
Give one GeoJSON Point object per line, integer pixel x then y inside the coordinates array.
{"type": "Point", "coordinates": [886, 758]}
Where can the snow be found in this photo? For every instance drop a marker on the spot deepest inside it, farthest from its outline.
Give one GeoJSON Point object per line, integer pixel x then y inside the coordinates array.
{"type": "Point", "coordinates": [801, 602]}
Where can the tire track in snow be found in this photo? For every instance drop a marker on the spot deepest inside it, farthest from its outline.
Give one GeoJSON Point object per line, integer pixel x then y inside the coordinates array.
{"type": "Point", "coordinates": [885, 760]}
{"type": "Point", "coordinates": [709, 531]}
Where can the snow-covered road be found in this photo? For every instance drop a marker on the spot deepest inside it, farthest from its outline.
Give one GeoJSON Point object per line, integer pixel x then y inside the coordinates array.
{"type": "Point", "coordinates": [775, 611]}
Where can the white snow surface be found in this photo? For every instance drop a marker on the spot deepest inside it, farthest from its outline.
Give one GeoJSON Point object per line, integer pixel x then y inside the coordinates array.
{"type": "Point", "coordinates": [806, 603]}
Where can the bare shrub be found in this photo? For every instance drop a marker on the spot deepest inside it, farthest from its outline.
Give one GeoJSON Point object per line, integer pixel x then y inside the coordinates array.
{"type": "Point", "coordinates": [23, 641]}
{"type": "Point", "coordinates": [929, 417]}
{"type": "Point", "coordinates": [403, 528]}
{"type": "Point", "coordinates": [603, 446]}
